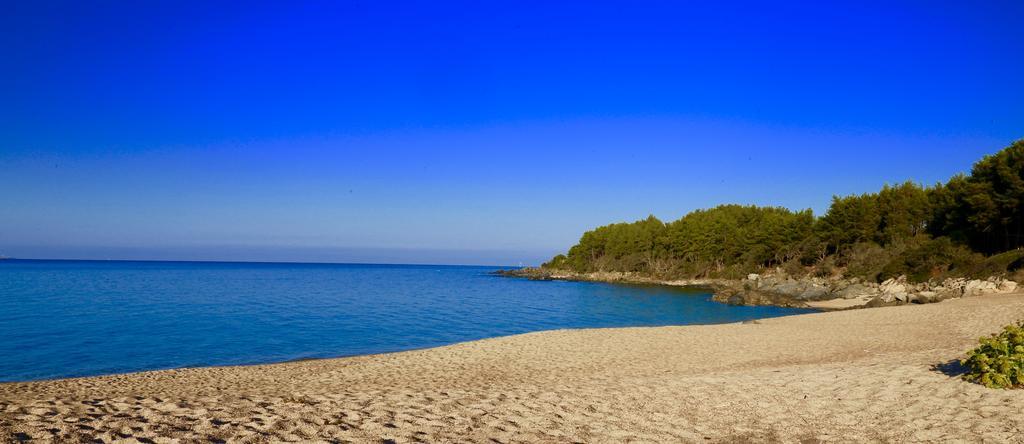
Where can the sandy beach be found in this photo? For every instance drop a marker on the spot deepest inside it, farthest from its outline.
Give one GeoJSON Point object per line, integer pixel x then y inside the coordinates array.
{"type": "Point", "coordinates": [850, 376]}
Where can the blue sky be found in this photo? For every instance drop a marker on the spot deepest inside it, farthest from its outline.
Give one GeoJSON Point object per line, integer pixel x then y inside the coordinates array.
{"type": "Point", "coordinates": [477, 132]}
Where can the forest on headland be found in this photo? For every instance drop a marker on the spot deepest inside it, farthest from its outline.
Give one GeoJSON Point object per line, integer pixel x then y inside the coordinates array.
{"type": "Point", "coordinates": [970, 226]}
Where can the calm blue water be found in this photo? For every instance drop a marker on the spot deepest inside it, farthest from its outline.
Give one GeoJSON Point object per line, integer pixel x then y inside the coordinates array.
{"type": "Point", "coordinates": [77, 318]}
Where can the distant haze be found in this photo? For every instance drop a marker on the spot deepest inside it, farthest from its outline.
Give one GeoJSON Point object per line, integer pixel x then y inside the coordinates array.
{"type": "Point", "coordinates": [234, 253]}
{"type": "Point", "coordinates": [472, 134]}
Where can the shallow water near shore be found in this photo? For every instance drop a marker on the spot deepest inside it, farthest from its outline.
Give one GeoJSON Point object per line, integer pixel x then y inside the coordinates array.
{"type": "Point", "coordinates": [80, 318]}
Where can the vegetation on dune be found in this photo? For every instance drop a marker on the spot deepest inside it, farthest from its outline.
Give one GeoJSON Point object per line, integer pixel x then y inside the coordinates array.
{"type": "Point", "coordinates": [969, 226]}
{"type": "Point", "coordinates": [999, 361]}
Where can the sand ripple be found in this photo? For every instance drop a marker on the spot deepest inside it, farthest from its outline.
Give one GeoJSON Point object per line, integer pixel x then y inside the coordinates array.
{"type": "Point", "coordinates": [865, 375]}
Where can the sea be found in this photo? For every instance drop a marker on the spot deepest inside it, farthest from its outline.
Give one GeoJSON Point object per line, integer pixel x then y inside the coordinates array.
{"type": "Point", "coordinates": [62, 318]}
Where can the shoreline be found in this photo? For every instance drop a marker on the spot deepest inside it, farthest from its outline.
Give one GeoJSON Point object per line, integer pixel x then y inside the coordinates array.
{"type": "Point", "coordinates": [855, 375]}
{"type": "Point", "coordinates": [720, 289]}
{"type": "Point", "coordinates": [384, 353]}
{"type": "Point", "coordinates": [780, 290]}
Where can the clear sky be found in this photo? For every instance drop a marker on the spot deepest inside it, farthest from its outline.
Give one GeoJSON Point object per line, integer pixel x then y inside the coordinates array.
{"type": "Point", "coordinates": [483, 132]}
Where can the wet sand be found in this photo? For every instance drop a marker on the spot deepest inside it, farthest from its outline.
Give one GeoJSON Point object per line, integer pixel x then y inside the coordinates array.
{"type": "Point", "coordinates": [862, 375]}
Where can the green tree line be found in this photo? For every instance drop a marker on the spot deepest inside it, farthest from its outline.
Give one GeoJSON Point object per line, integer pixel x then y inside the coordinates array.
{"type": "Point", "coordinates": [964, 227]}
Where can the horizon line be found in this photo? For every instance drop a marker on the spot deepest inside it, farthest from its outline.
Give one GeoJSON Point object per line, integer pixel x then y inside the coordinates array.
{"type": "Point", "coordinates": [8, 258]}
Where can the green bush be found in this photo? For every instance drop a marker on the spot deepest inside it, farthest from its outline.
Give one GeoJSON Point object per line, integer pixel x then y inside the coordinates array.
{"type": "Point", "coordinates": [558, 262]}
{"type": "Point", "coordinates": [931, 258]}
{"type": "Point", "coordinates": [999, 361]}
{"type": "Point", "coordinates": [736, 271]}
{"type": "Point", "coordinates": [1004, 264]}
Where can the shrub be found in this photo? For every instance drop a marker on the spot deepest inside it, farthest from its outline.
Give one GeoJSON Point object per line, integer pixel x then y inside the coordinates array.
{"type": "Point", "coordinates": [825, 268]}
{"type": "Point", "coordinates": [737, 271]}
{"type": "Point", "coordinates": [794, 269]}
{"type": "Point", "coordinates": [1004, 264]}
{"type": "Point", "coordinates": [557, 262]}
{"type": "Point", "coordinates": [866, 260]}
{"type": "Point", "coordinates": [932, 258]}
{"type": "Point", "coordinates": [999, 361]}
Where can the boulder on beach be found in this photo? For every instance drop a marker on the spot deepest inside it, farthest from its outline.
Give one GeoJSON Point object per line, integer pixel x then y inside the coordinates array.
{"type": "Point", "coordinates": [814, 293]}
{"type": "Point", "coordinates": [855, 290]}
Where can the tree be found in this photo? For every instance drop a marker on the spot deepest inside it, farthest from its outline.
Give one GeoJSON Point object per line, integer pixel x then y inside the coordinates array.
{"type": "Point", "coordinates": [849, 220]}
{"type": "Point", "coordinates": [921, 228]}
{"type": "Point", "coordinates": [986, 208]}
{"type": "Point", "coordinates": [904, 212]}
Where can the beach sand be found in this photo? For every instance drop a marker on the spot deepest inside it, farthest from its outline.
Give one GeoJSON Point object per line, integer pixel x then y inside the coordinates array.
{"type": "Point", "coordinates": [860, 375]}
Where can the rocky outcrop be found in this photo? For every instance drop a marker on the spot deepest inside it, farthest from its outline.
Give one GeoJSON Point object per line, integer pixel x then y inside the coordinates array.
{"type": "Point", "coordinates": [856, 290]}
{"type": "Point", "coordinates": [781, 290]}
{"type": "Point", "coordinates": [797, 289]}
{"type": "Point", "coordinates": [733, 295]}
{"type": "Point", "coordinates": [899, 290]}
{"type": "Point", "coordinates": [890, 292]}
